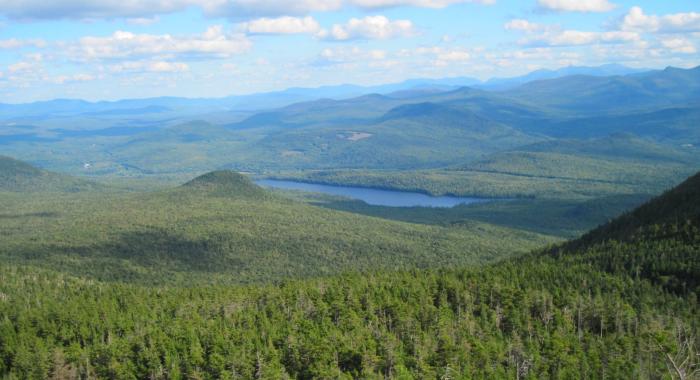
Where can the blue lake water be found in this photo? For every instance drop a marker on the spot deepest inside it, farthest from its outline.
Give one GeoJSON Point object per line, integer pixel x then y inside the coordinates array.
{"type": "Point", "coordinates": [374, 197]}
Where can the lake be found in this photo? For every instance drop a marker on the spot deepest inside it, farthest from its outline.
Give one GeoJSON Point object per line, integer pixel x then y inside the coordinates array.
{"type": "Point", "coordinates": [374, 197]}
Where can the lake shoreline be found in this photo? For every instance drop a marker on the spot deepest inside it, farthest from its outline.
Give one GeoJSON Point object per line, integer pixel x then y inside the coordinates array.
{"type": "Point", "coordinates": [373, 195]}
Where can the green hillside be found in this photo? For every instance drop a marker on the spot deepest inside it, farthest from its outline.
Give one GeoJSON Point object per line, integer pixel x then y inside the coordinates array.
{"type": "Point", "coordinates": [222, 228]}
{"type": "Point", "coordinates": [591, 313]}
{"type": "Point", "coordinates": [225, 183]}
{"type": "Point", "coordinates": [573, 169]}
{"type": "Point", "coordinates": [565, 218]}
{"type": "Point", "coordinates": [674, 213]}
{"type": "Point", "coordinates": [18, 176]}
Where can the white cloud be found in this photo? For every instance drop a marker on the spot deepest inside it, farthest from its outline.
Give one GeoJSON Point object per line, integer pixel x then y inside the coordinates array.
{"type": "Point", "coordinates": [14, 43]}
{"type": "Point", "coordinates": [678, 45]}
{"type": "Point", "coordinates": [213, 43]}
{"type": "Point", "coordinates": [348, 55]}
{"type": "Point", "coordinates": [416, 3]}
{"type": "Point", "coordinates": [522, 25]}
{"type": "Point", "coordinates": [281, 25]}
{"type": "Point", "coordinates": [576, 5]}
{"type": "Point", "coordinates": [454, 55]}
{"type": "Point", "coordinates": [550, 35]}
{"type": "Point", "coordinates": [21, 66]}
{"type": "Point", "coordinates": [370, 28]}
{"type": "Point", "coordinates": [576, 37]}
{"type": "Point", "coordinates": [228, 66]}
{"type": "Point", "coordinates": [450, 57]}
{"type": "Point", "coordinates": [440, 56]}
{"type": "Point", "coordinates": [239, 9]}
{"type": "Point", "coordinates": [142, 21]}
{"type": "Point", "coordinates": [149, 67]}
{"type": "Point", "coordinates": [637, 20]}
{"type": "Point", "coordinates": [271, 8]}
{"type": "Point", "coordinates": [63, 79]}
{"type": "Point", "coordinates": [89, 9]}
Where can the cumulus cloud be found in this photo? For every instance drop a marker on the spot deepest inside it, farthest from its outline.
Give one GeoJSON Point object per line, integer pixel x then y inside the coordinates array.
{"type": "Point", "coordinates": [281, 25]}
{"type": "Point", "coordinates": [451, 57]}
{"type": "Point", "coordinates": [28, 70]}
{"type": "Point", "coordinates": [147, 9]}
{"type": "Point", "coordinates": [576, 5]}
{"type": "Point", "coordinates": [266, 8]}
{"type": "Point", "coordinates": [637, 20]}
{"type": "Point", "coordinates": [537, 35]}
{"type": "Point", "coordinates": [440, 56]}
{"type": "Point", "coordinates": [576, 37]}
{"type": "Point", "coordinates": [416, 3]}
{"type": "Point", "coordinates": [522, 25]}
{"type": "Point", "coordinates": [21, 66]}
{"type": "Point", "coordinates": [63, 79]}
{"type": "Point", "coordinates": [348, 55]}
{"type": "Point", "coordinates": [87, 9]}
{"type": "Point", "coordinates": [370, 28]}
{"type": "Point", "coordinates": [142, 21]}
{"type": "Point", "coordinates": [149, 67]}
{"type": "Point", "coordinates": [14, 43]}
{"type": "Point", "coordinates": [213, 43]}
{"type": "Point", "coordinates": [678, 45]}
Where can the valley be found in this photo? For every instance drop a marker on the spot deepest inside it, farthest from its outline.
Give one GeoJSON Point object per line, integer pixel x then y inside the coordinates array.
{"type": "Point", "coordinates": [534, 227]}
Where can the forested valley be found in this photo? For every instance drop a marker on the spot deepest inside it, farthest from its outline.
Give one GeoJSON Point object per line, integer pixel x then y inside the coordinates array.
{"type": "Point", "coordinates": [138, 241]}
{"type": "Point", "coordinates": [620, 302]}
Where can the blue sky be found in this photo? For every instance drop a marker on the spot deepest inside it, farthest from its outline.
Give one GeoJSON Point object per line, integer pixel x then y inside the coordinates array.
{"type": "Point", "coordinates": [113, 49]}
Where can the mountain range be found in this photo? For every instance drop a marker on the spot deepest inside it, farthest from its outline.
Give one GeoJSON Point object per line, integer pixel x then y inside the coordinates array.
{"type": "Point", "coordinates": [258, 101]}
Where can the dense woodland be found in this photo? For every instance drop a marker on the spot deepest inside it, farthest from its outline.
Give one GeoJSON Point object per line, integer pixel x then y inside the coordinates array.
{"type": "Point", "coordinates": [563, 169]}
{"type": "Point", "coordinates": [216, 278]}
{"type": "Point", "coordinates": [563, 317]}
{"type": "Point", "coordinates": [601, 307]}
{"type": "Point", "coordinates": [221, 228]}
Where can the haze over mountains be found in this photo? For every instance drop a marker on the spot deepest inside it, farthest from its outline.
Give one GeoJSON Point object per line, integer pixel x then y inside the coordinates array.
{"type": "Point", "coordinates": [349, 189]}
{"type": "Point", "coordinates": [129, 212]}
{"type": "Point", "coordinates": [416, 128]}
{"type": "Point", "coordinates": [251, 102]}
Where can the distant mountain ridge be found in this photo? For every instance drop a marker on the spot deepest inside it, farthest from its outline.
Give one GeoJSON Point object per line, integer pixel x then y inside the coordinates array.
{"type": "Point", "coordinates": [599, 71]}
{"type": "Point", "coordinates": [274, 99]}
{"type": "Point", "coordinates": [423, 128]}
{"type": "Point", "coordinates": [614, 94]}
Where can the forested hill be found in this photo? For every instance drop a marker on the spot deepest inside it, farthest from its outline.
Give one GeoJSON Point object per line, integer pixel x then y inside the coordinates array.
{"type": "Point", "coordinates": [19, 176]}
{"type": "Point", "coordinates": [659, 241]}
{"type": "Point", "coordinates": [222, 228]}
{"type": "Point", "coordinates": [677, 211]}
{"type": "Point", "coordinates": [224, 183]}
{"type": "Point", "coordinates": [619, 309]}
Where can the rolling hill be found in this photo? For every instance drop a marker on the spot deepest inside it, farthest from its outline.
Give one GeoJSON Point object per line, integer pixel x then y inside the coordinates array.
{"type": "Point", "coordinates": [602, 309]}
{"type": "Point", "coordinates": [222, 228]}
{"type": "Point", "coordinates": [551, 169]}
{"type": "Point", "coordinates": [673, 214]}
{"type": "Point", "coordinates": [20, 177]}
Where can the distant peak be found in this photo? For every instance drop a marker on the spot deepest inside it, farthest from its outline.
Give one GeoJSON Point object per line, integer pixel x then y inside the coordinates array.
{"type": "Point", "coordinates": [225, 183]}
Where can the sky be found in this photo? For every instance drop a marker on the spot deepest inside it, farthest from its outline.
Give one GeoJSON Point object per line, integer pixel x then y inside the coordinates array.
{"type": "Point", "coordinates": [116, 49]}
